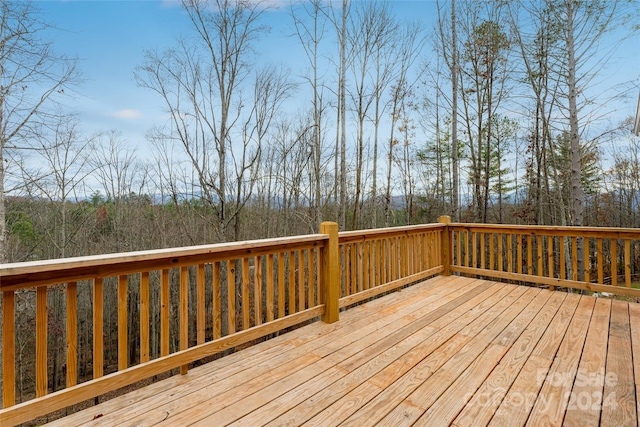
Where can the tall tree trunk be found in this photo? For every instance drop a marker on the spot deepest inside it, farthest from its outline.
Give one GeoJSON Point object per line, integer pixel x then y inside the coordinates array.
{"type": "Point", "coordinates": [455, 198]}
{"type": "Point", "coordinates": [343, 115]}
{"type": "Point", "coordinates": [577, 193]}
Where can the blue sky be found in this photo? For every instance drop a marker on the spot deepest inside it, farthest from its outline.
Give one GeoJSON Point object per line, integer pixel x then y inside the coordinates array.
{"type": "Point", "coordinates": [110, 37]}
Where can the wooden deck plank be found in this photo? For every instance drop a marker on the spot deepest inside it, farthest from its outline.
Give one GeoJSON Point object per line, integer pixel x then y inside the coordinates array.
{"type": "Point", "coordinates": [481, 407]}
{"type": "Point", "coordinates": [516, 406]}
{"type": "Point", "coordinates": [149, 398]}
{"type": "Point", "coordinates": [378, 408]}
{"type": "Point", "coordinates": [451, 402]}
{"type": "Point", "coordinates": [197, 404]}
{"type": "Point", "coordinates": [409, 303]}
{"type": "Point", "coordinates": [381, 324]}
{"type": "Point", "coordinates": [428, 392]}
{"type": "Point", "coordinates": [553, 398]}
{"type": "Point", "coordinates": [619, 400]}
{"type": "Point", "coordinates": [367, 347]}
{"type": "Point", "coordinates": [243, 406]}
{"type": "Point", "coordinates": [387, 352]}
{"type": "Point", "coordinates": [634, 321]}
{"type": "Point", "coordinates": [450, 351]}
{"type": "Point", "coordinates": [590, 377]}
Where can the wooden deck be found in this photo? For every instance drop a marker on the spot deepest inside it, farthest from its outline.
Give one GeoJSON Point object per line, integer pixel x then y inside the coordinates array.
{"type": "Point", "coordinates": [450, 351]}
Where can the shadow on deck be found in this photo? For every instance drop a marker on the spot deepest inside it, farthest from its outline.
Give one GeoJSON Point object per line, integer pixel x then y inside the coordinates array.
{"type": "Point", "coordinates": [449, 351]}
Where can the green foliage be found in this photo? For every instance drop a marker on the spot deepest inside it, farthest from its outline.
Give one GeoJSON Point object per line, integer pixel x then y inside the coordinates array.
{"type": "Point", "coordinates": [21, 226]}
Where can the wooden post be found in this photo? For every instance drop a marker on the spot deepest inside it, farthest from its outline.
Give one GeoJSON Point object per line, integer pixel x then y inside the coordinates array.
{"type": "Point", "coordinates": [330, 273]}
{"type": "Point", "coordinates": [446, 245]}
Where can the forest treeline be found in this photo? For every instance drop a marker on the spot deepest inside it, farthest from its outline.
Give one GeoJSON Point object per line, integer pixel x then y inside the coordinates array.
{"type": "Point", "coordinates": [495, 113]}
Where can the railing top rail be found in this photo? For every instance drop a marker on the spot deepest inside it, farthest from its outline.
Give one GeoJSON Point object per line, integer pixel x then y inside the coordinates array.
{"type": "Point", "coordinates": [612, 232]}
{"type": "Point", "coordinates": [359, 234]}
{"type": "Point", "coordinates": [36, 273]}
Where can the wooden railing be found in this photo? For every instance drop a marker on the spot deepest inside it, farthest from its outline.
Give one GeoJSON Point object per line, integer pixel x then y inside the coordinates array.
{"type": "Point", "coordinates": [593, 259]}
{"type": "Point", "coordinates": [177, 306]}
{"type": "Point", "coordinates": [174, 307]}
{"type": "Point", "coordinates": [381, 260]}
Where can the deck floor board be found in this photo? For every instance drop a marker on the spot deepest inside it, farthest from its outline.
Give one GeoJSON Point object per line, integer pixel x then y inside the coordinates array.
{"type": "Point", "coordinates": [448, 351]}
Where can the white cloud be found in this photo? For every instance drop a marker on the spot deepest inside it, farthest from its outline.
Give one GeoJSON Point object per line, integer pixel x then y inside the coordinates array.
{"type": "Point", "coordinates": [126, 114]}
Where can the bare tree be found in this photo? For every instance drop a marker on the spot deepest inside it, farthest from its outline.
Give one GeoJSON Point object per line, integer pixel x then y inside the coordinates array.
{"type": "Point", "coordinates": [63, 158]}
{"type": "Point", "coordinates": [200, 83]}
{"type": "Point", "coordinates": [408, 50]}
{"type": "Point", "coordinates": [32, 78]}
{"type": "Point", "coordinates": [310, 35]}
{"type": "Point", "coordinates": [372, 30]}
{"type": "Point", "coordinates": [448, 46]}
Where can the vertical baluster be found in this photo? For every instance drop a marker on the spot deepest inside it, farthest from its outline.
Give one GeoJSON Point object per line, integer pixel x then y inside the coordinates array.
{"type": "Point", "coordinates": [317, 260]}
{"type": "Point", "coordinates": [231, 296]}
{"type": "Point", "coordinates": [270, 288]}
{"type": "Point", "coordinates": [587, 258]}
{"type": "Point", "coordinates": [41, 341]}
{"type": "Point", "coordinates": [530, 254]}
{"type": "Point", "coordinates": [540, 258]}
{"type": "Point", "coordinates": [483, 250]}
{"type": "Point", "coordinates": [380, 261]}
{"type": "Point", "coordinates": [627, 263]}
{"type": "Point", "coordinates": [200, 310]}
{"type": "Point", "coordinates": [164, 312]}
{"type": "Point", "coordinates": [384, 261]}
{"type": "Point", "coordinates": [563, 268]}
{"type": "Point", "coordinates": [550, 260]}
{"type": "Point", "coordinates": [72, 334]}
{"type": "Point", "coordinates": [184, 313]}
{"type": "Point", "coordinates": [474, 250]}
{"type": "Point", "coordinates": [301, 289]}
{"type": "Point", "coordinates": [346, 270]}
{"type": "Point", "coordinates": [257, 288]}
{"type": "Point", "coordinates": [574, 258]}
{"type": "Point", "coordinates": [510, 253]}
{"type": "Point", "coordinates": [600, 263]}
{"type": "Point", "coordinates": [144, 317]}
{"type": "Point", "coordinates": [520, 260]}
{"type": "Point", "coordinates": [614, 262]}
{"type": "Point", "coordinates": [500, 256]}
{"type": "Point", "coordinates": [246, 304]}
{"type": "Point", "coordinates": [311, 278]}
{"type": "Point", "coordinates": [281, 284]}
{"type": "Point", "coordinates": [217, 300]}
{"type": "Point", "coordinates": [292, 282]}
{"type": "Point", "coordinates": [123, 331]}
{"type": "Point", "coordinates": [246, 309]}
{"type": "Point", "coordinates": [467, 248]}
{"type": "Point", "coordinates": [8, 349]}
{"type": "Point", "coordinates": [492, 252]}
{"type": "Point", "coordinates": [354, 271]}
{"type": "Point", "coordinates": [98, 331]}
{"type": "Point", "coordinates": [366, 266]}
